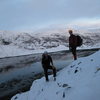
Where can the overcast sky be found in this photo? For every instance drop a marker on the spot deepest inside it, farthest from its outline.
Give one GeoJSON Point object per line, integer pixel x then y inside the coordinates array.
{"type": "Point", "coordinates": [27, 15]}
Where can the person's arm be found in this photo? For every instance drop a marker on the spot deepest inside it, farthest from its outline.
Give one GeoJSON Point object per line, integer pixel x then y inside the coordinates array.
{"type": "Point", "coordinates": [51, 60]}
{"type": "Point", "coordinates": [42, 60]}
{"type": "Point", "coordinates": [70, 43]}
{"type": "Point", "coordinates": [76, 41]}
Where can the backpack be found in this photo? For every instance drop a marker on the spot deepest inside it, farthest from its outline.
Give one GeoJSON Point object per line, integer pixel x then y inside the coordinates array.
{"type": "Point", "coordinates": [79, 41]}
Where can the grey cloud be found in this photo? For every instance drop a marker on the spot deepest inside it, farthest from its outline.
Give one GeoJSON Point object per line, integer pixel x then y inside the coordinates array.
{"type": "Point", "coordinates": [15, 14]}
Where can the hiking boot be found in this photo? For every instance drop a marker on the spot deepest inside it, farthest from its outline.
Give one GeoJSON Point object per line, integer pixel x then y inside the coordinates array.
{"type": "Point", "coordinates": [47, 80]}
{"type": "Point", "coordinates": [54, 78]}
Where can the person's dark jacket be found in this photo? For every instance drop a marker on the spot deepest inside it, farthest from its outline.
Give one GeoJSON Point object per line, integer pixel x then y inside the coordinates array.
{"type": "Point", "coordinates": [46, 60]}
{"type": "Point", "coordinates": [72, 41]}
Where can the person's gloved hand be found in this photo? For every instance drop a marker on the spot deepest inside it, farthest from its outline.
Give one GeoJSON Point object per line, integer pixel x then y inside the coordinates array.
{"type": "Point", "coordinates": [70, 48]}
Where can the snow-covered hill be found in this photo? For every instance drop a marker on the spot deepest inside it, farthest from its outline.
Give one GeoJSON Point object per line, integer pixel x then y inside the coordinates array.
{"type": "Point", "coordinates": [16, 43]}
{"type": "Point", "coordinates": [78, 81]}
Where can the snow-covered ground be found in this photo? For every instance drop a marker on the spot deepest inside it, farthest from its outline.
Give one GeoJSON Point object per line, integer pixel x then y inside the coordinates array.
{"type": "Point", "coordinates": [78, 81]}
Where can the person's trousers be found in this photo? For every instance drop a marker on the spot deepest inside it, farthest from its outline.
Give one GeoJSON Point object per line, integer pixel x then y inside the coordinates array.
{"type": "Point", "coordinates": [73, 50]}
{"type": "Point", "coordinates": [46, 71]}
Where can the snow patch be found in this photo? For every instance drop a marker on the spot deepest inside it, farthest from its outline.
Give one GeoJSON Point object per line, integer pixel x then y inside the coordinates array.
{"type": "Point", "coordinates": [78, 81]}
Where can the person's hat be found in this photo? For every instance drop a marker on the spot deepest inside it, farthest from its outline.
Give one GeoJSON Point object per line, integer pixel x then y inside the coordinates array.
{"type": "Point", "coordinates": [45, 52]}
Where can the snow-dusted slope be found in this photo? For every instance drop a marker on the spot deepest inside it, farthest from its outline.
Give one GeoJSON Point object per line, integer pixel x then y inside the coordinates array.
{"type": "Point", "coordinates": [16, 43]}
{"type": "Point", "coordinates": [78, 81]}
{"type": "Point", "coordinates": [46, 39]}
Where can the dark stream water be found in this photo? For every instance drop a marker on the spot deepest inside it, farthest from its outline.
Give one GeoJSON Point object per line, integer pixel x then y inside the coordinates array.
{"type": "Point", "coordinates": [18, 73]}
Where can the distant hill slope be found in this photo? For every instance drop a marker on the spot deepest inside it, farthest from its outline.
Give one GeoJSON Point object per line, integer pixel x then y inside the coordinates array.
{"type": "Point", "coordinates": [46, 39]}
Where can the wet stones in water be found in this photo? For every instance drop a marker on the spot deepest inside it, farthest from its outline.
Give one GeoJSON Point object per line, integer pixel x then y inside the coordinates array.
{"type": "Point", "coordinates": [1, 70]}
{"type": "Point", "coordinates": [6, 68]}
{"type": "Point", "coordinates": [2, 85]}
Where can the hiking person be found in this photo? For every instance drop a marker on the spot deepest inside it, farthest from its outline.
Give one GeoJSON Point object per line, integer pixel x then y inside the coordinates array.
{"type": "Point", "coordinates": [47, 63]}
{"type": "Point", "coordinates": [73, 44]}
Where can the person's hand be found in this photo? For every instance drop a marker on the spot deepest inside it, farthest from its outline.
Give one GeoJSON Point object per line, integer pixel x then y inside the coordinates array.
{"type": "Point", "coordinates": [53, 67]}
{"type": "Point", "coordinates": [70, 48]}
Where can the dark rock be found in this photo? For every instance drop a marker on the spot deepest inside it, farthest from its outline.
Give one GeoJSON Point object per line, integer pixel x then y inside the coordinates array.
{"type": "Point", "coordinates": [65, 85]}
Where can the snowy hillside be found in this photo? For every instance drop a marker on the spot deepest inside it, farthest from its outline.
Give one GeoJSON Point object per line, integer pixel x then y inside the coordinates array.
{"type": "Point", "coordinates": [78, 81]}
{"type": "Point", "coordinates": [16, 43]}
